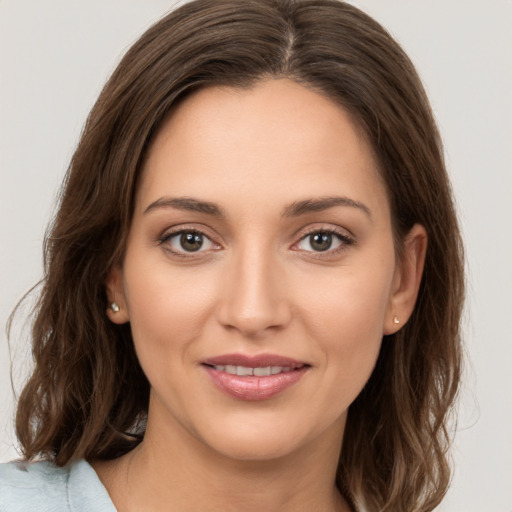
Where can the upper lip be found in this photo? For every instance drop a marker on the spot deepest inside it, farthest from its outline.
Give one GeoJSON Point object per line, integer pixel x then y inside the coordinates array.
{"type": "Point", "coordinates": [258, 361]}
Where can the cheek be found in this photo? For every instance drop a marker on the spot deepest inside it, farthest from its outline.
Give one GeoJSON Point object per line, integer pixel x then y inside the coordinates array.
{"type": "Point", "coordinates": [345, 316]}
{"type": "Point", "coordinates": [349, 337]}
{"type": "Point", "coordinates": [168, 309]}
{"type": "Point", "coordinates": [350, 302]}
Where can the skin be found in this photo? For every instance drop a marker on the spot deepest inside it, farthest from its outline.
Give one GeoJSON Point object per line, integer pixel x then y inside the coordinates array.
{"type": "Point", "coordinates": [256, 286]}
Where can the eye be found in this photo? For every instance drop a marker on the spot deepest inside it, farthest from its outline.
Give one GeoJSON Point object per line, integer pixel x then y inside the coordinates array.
{"type": "Point", "coordinates": [323, 241]}
{"type": "Point", "coordinates": [188, 241]}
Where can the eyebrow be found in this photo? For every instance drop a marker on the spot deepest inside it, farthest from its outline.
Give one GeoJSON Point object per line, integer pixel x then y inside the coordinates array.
{"type": "Point", "coordinates": [323, 203]}
{"type": "Point", "coordinates": [294, 209]}
{"type": "Point", "coordinates": [187, 204]}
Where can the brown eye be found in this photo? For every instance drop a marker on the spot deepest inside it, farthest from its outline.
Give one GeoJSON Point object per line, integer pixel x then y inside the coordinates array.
{"type": "Point", "coordinates": [191, 242]}
{"type": "Point", "coordinates": [321, 241]}
{"type": "Point", "coordinates": [188, 242]}
{"type": "Point", "coordinates": [324, 241]}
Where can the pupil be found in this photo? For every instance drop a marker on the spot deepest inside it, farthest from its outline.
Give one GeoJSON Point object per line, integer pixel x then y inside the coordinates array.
{"type": "Point", "coordinates": [321, 241]}
{"type": "Point", "coordinates": [191, 241]}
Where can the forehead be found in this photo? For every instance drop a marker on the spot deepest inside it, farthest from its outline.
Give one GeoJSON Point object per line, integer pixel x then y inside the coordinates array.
{"type": "Point", "coordinates": [278, 139]}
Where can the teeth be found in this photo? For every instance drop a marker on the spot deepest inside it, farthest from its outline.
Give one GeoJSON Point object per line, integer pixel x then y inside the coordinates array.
{"type": "Point", "coordinates": [262, 372]}
{"type": "Point", "coordinates": [245, 371]}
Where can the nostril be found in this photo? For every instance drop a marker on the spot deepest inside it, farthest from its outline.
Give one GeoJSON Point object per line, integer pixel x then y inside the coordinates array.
{"type": "Point", "coordinates": [256, 323]}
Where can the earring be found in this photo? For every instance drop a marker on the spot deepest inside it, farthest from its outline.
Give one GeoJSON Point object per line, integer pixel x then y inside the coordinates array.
{"type": "Point", "coordinates": [396, 320]}
{"type": "Point", "coordinates": [114, 307]}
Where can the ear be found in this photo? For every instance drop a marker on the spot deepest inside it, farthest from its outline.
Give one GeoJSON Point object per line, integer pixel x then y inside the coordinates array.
{"type": "Point", "coordinates": [116, 295]}
{"type": "Point", "coordinates": [407, 280]}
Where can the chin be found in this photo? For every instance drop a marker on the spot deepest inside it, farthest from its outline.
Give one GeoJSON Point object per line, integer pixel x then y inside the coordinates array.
{"type": "Point", "coordinates": [257, 448]}
{"type": "Point", "coordinates": [264, 440]}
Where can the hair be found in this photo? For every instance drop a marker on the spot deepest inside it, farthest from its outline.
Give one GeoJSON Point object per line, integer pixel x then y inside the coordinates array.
{"type": "Point", "coordinates": [88, 397]}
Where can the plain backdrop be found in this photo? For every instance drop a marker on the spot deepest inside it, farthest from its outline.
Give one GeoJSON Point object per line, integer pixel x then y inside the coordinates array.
{"type": "Point", "coordinates": [55, 56]}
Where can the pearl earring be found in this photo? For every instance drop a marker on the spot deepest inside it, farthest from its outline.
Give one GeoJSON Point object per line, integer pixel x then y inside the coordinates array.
{"type": "Point", "coordinates": [114, 307]}
{"type": "Point", "coordinates": [396, 320]}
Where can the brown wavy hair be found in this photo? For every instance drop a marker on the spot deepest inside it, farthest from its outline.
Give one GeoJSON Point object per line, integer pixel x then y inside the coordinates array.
{"type": "Point", "coordinates": [88, 397]}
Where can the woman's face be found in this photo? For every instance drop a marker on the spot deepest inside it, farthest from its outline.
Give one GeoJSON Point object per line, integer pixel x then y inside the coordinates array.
{"type": "Point", "coordinates": [260, 271]}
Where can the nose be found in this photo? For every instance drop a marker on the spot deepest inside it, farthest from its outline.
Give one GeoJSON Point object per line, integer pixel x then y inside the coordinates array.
{"type": "Point", "coordinates": [253, 295]}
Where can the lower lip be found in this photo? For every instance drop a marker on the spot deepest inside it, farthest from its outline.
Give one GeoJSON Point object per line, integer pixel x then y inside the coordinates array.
{"type": "Point", "coordinates": [254, 388]}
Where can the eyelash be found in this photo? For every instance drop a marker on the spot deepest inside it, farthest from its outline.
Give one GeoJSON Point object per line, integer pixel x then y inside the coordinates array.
{"type": "Point", "coordinates": [166, 237]}
{"type": "Point", "coordinates": [344, 239]}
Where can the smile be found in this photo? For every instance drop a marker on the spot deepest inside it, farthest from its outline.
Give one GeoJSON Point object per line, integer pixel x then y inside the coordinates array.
{"type": "Point", "coordinates": [264, 371]}
{"type": "Point", "coordinates": [254, 378]}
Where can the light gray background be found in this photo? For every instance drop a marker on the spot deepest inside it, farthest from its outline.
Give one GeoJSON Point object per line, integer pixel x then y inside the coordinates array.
{"type": "Point", "coordinates": [55, 56]}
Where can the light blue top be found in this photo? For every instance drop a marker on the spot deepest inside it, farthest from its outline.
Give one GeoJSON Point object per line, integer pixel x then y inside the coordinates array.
{"type": "Point", "coordinates": [43, 487]}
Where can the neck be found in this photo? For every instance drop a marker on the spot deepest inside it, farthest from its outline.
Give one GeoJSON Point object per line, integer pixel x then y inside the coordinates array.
{"type": "Point", "coordinates": [172, 470]}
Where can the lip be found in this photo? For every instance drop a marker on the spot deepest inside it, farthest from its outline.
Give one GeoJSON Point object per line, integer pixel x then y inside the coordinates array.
{"type": "Point", "coordinates": [253, 388]}
{"type": "Point", "coordinates": [259, 360]}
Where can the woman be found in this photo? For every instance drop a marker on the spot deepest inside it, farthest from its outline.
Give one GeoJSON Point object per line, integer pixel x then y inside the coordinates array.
{"type": "Point", "coordinates": [249, 301]}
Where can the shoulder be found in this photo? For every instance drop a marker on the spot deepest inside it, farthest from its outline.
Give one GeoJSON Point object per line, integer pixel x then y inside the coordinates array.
{"type": "Point", "coordinates": [37, 486]}
{"type": "Point", "coordinates": [44, 487]}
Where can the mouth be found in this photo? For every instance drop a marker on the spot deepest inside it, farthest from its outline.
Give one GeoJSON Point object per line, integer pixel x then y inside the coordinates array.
{"type": "Point", "coordinates": [257, 371]}
{"type": "Point", "coordinates": [254, 378]}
